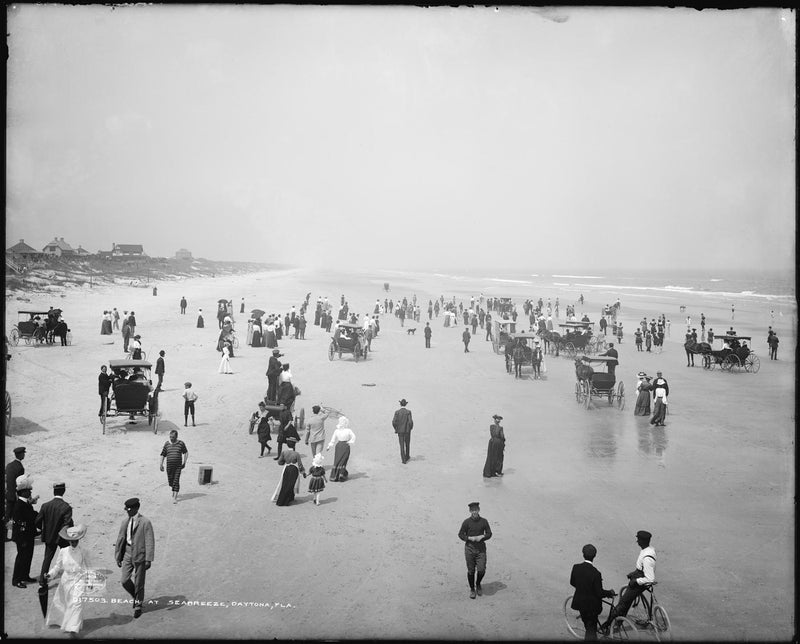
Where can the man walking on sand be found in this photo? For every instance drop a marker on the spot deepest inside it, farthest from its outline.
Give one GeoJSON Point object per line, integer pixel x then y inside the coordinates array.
{"type": "Point", "coordinates": [428, 334]}
{"type": "Point", "coordinates": [160, 368]}
{"type": "Point", "coordinates": [403, 423]}
{"type": "Point", "coordinates": [134, 552]}
{"type": "Point", "coordinates": [465, 337]}
{"type": "Point", "coordinates": [475, 532]}
{"type": "Point", "coordinates": [53, 516]}
{"type": "Point", "coordinates": [176, 454]}
{"type": "Point", "coordinates": [183, 305]}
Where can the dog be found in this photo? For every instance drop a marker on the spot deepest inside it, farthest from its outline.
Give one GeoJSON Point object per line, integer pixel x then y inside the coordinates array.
{"type": "Point", "coordinates": [411, 331]}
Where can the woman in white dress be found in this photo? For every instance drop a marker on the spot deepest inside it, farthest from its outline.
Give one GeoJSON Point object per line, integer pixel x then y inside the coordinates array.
{"type": "Point", "coordinates": [225, 363]}
{"type": "Point", "coordinates": [66, 609]}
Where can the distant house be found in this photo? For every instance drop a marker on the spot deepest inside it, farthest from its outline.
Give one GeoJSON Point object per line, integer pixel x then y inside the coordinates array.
{"type": "Point", "coordinates": [182, 253]}
{"type": "Point", "coordinates": [82, 252]}
{"type": "Point", "coordinates": [58, 248]}
{"type": "Point", "coordinates": [22, 251]}
{"type": "Point", "coordinates": [127, 250]}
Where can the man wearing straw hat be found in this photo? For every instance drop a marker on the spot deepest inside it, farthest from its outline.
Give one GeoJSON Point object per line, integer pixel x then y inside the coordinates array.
{"type": "Point", "coordinates": [475, 532]}
{"type": "Point", "coordinates": [134, 552]}
{"type": "Point", "coordinates": [24, 531]}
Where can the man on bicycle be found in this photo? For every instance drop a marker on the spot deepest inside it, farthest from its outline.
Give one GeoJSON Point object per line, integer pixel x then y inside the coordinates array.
{"type": "Point", "coordinates": [638, 580]}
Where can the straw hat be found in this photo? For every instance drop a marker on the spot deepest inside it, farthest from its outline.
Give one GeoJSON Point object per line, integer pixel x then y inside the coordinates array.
{"type": "Point", "coordinates": [73, 534]}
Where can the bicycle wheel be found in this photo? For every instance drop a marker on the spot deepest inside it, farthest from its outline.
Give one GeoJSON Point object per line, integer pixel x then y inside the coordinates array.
{"type": "Point", "coordinates": [661, 620]}
{"type": "Point", "coordinates": [573, 619]}
{"type": "Point", "coordinates": [624, 629]}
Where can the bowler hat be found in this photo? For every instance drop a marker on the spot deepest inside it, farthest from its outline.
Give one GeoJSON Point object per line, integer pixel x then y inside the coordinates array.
{"type": "Point", "coordinates": [276, 352]}
{"type": "Point", "coordinates": [60, 484]}
{"type": "Point", "coordinates": [403, 402]}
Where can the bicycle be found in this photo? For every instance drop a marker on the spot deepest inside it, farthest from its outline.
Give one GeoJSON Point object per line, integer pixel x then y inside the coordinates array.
{"type": "Point", "coordinates": [623, 628]}
{"type": "Point", "coordinates": [649, 616]}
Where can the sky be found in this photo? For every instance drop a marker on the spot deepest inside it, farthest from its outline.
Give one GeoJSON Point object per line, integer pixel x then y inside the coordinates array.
{"type": "Point", "coordinates": [404, 137]}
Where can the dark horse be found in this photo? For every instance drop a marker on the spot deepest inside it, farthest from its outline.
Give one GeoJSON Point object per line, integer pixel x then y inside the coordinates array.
{"type": "Point", "coordinates": [550, 337]}
{"type": "Point", "coordinates": [583, 371]}
{"type": "Point", "coordinates": [691, 347]}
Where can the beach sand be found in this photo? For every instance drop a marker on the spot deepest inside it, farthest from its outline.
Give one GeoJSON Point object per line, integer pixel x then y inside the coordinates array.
{"type": "Point", "coordinates": [380, 557]}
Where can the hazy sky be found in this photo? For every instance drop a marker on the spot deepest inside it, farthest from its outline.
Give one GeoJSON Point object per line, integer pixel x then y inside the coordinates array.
{"type": "Point", "coordinates": [403, 137]}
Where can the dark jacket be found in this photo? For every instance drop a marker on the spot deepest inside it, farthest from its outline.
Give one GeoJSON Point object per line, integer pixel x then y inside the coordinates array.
{"type": "Point", "coordinates": [274, 367]}
{"type": "Point", "coordinates": [24, 530]}
{"type": "Point", "coordinates": [588, 583]}
{"type": "Point", "coordinates": [54, 515]}
{"type": "Point", "coordinates": [14, 469]}
{"type": "Point", "coordinates": [160, 365]}
{"type": "Point", "coordinates": [402, 421]}
{"type": "Point", "coordinates": [104, 381]}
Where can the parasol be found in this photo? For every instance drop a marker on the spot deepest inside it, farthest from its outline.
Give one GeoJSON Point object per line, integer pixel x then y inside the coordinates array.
{"type": "Point", "coordinates": [257, 313]}
{"type": "Point", "coordinates": [222, 301]}
{"type": "Point", "coordinates": [43, 596]}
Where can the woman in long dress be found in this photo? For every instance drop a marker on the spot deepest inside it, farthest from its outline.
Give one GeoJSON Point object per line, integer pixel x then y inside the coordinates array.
{"type": "Point", "coordinates": [642, 407]}
{"type": "Point", "coordinates": [343, 437]}
{"type": "Point", "coordinates": [105, 325]}
{"type": "Point", "coordinates": [289, 482]}
{"type": "Point", "coordinates": [495, 452]}
{"type": "Point", "coordinates": [256, 339]}
{"type": "Point", "coordinates": [659, 407]}
{"type": "Point", "coordinates": [200, 322]}
{"type": "Point", "coordinates": [225, 363]}
{"type": "Point", "coordinates": [66, 609]}
{"type": "Point", "coordinates": [269, 335]}
{"type": "Point", "coordinates": [286, 393]}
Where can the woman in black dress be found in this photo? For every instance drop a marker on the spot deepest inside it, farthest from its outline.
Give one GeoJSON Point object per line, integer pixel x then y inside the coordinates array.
{"type": "Point", "coordinates": [494, 453]}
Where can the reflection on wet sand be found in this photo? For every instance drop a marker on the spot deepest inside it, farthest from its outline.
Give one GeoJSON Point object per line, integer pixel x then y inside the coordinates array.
{"type": "Point", "coordinates": [652, 440]}
{"type": "Point", "coordinates": [602, 440]}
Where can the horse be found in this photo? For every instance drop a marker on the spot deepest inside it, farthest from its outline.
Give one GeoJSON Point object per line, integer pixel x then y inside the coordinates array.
{"type": "Point", "coordinates": [583, 372]}
{"type": "Point", "coordinates": [691, 347]}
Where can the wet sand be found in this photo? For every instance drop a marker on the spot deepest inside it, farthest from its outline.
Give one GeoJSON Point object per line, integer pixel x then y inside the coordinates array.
{"type": "Point", "coordinates": [380, 557]}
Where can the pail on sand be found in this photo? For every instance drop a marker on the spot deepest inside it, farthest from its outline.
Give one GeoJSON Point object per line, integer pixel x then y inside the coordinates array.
{"type": "Point", "coordinates": [204, 476]}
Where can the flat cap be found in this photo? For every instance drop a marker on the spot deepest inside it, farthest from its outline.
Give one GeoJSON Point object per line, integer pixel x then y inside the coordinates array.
{"type": "Point", "coordinates": [133, 502]}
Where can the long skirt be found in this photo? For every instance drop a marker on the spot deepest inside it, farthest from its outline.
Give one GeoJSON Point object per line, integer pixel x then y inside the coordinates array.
{"type": "Point", "coordinates": [105, 328]}
{"type": "Point", "coordinates": [288, 485]}
{"type": "Point", "coordinates": [659, 412]}
{"type": "Point", "coordinates": [642, 407]}
{"type": "Point", "coordinates": [494, 458]}
{"type": "Point", "coordinates": [340, 458]}
{"type": "Point", "coordinates": [271, 341]}
{"type": "Point", "coordinates": [200, 322]}
{"type": "Point", "coordinates": [256, 339]}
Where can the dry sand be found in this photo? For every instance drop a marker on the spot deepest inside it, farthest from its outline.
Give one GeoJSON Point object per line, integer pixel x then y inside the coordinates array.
{"type": "Point", "coordinates": [380, 556]}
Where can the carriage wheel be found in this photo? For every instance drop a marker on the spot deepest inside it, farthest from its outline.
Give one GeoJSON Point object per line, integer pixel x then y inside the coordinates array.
{"type": "Point", "coordinates": [357, 351]}
{"type": "Point", "coordinates": [144, 356]}
{"type": "Point", "coordinates": [331, 351]}
{"type": "Point", "coordinates": [15, 336]}
{"type": "Point", "coordinates": [731, 361]}
{"type": "Point", "coordinates": [587, 392]}
{"type": "Point", "coordinates": [752, 364]}
{"type": "Point", "coordinates": [569, 349]}
{"type": "Point", "coordinates": [621, 396]}
{"type": "Point", "coordinates": [578, 392]}
{"type": "Point", "coordinates": [8, 415]}
{"type": "Point", "coordinates": [235, 342]}
{"type": "Point", "coordinates": [103, 419]}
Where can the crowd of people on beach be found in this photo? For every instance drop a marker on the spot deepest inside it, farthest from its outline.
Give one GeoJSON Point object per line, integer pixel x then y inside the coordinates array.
{"type": "Point", "coordinates": [276, 418]}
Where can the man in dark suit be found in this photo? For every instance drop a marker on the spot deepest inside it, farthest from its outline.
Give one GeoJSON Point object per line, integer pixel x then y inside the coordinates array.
{"type": "Point", "coordinates": [589, 593]}
{"type": "Point", "coordinates": [134, 552]}
{"type": "Point", "coordinates": [160, 368]}
{"type": "Point", "coordinates": [14, 470]}
{"type": "Point", "coordinates": [24, 531]}
{"type": "Point", "coordinates": [403, 423]}
{"type": "Point", "coordinates": [53, 516]}
{"type": "Point", "coordinates": [611, 353]}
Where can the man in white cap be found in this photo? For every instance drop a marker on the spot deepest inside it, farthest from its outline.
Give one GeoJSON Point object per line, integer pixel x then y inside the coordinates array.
{"type": "Point", "coordinates": [24, 531]}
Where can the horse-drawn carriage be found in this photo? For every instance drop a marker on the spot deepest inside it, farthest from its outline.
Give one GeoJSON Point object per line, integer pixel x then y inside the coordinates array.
{"type": "Point", "coordinates": [131, 392]}
{"type": "Point", "coordinates": [37, 327]}
{"type": "Point", "coordinates": [524, 341]}
{"type": "Point", "coordinates": [501, 331]}
{"type": "Point", "coordinates": [348, 338]}
{"type": "Point", "coordinates": [600, 384]}
{"type": "Point", "coordinates": [577, 337]}
{"type": "Point", "coordinates": [733, 354]}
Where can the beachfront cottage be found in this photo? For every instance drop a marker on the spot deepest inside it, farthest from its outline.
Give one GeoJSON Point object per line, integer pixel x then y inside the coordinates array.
{"type": "Point", "coordinates": [182, 253]}
{"type": "Point", "coordinates": [22, 252]}
{"type": "Point", "coordinates": [80, 251]}
{"type": "Point", "coordinates": [58, 248]}
{"type": "Point", "coordinates": [127, 250]}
